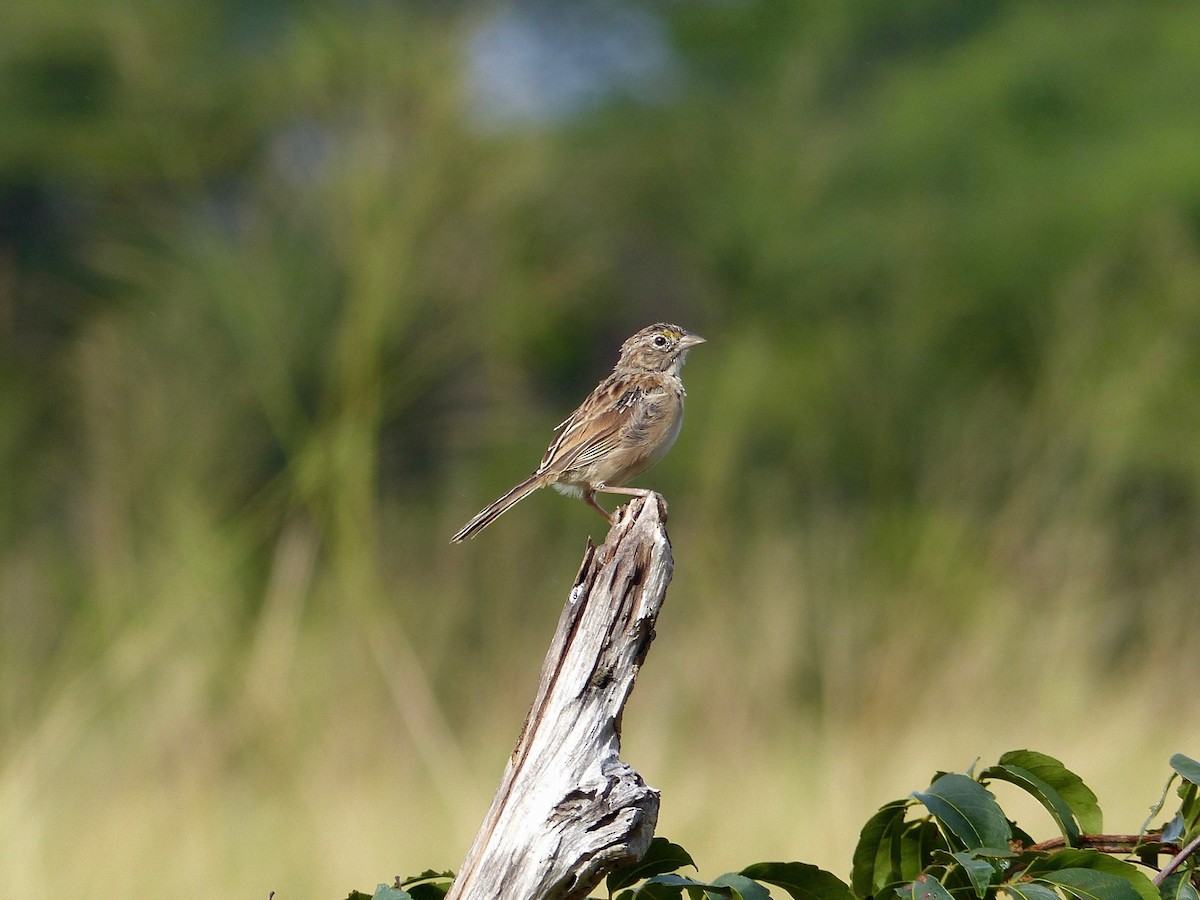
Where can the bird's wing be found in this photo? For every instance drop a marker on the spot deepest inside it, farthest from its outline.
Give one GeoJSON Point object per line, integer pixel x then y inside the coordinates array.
{"type": "Point", "coordinates": [593, 430]}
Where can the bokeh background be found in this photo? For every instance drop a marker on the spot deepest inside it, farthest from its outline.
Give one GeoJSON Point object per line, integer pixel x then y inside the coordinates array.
{"type": "Point", "coordinates": [289, 290]}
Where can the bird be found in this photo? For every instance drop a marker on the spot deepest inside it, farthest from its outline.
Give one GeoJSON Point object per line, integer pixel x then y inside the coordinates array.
{"type": "Point", "coordinates": [626, 424]}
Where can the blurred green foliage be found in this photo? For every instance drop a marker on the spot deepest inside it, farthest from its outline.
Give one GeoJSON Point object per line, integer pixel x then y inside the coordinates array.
{"type": "Point", "coordinates": [277, 303]}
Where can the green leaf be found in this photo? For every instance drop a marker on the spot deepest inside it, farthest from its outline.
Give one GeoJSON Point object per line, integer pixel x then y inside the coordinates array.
{"type": "Point", "coordinates": [1174, 830]}
{"type": "Point", "coordinates": [655, 890]}
{"type": "Point", "coordinates": [992, 853]}
{"type": "Point", "coordinates": [1184, 826]}
{"type": "Point", "coordinates": [918, 843]}
{"type": "Point", "coordinates": [661, 856]}
{"type": "Point", "coordinates": [980, 871]}
{"type": "Point", "coordinates": [746, 888]}
{"type": "Point", "coordinates": [1091, 884]}
{"type": "Point", "coordinates": [661, 887]}
{"type": "Point", "coordinates": [875, 863]}
{"type": "Point", "coordinates": [1069, 786]}
{"type": "Point", "coordinates": [1189, 807]}
{"type": "Point", "coordinates": [1043, 793]}
{"type": "Point", "coordinates": [1049, 867]}
{"type": "Point", "coordinates": [429, 890]}
{"type": "Point", "coordinates": [801, 880]}
{"type": "Point", "coordinates": [966, 810]}
{"type": "Point", "coordinates": [390, 892]}
{"type": "Point", "coordinates": [976, 869]}
{"type": "Point", "coordinates": [1030, 890]}
{"type": "Point", "coordinates": [1188, 768]}
{"type": "Point", "coordinates": [429, 885]}
{"type": "Point", "coordinates": [924, 888]}
{"type": "Point", "coordinates": [427, 875]}
{"type": "Point", "coordinates": [1178, 887]}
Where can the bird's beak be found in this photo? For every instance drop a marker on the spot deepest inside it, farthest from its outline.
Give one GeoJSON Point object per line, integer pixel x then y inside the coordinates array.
{"type": "Point", "coordinates": [690, 340]}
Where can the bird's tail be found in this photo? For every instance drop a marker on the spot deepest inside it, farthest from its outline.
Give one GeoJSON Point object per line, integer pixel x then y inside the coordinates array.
{"type": "Point", "coordinates": [497, 508]}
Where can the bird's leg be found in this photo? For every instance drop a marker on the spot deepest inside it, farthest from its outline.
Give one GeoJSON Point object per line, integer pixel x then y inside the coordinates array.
{"type": "Point", "coordinates": [627, 491]}
{"type": "Point", "coordinates": [589, 497]}
{"type": "Point", "coordinates": [606, 489]}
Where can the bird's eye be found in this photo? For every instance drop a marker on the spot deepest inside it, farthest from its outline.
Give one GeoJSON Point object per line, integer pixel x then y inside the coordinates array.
{"type": "Point", "coordinates": [660, 341]}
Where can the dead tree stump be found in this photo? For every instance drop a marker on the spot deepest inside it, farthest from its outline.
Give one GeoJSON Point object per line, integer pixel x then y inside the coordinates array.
{"type": "Point", "coordinates": [568, 809]}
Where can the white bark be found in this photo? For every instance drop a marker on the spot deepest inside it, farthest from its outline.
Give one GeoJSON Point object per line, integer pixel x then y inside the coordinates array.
{"type": "Point", "coordinates": [568, 809]}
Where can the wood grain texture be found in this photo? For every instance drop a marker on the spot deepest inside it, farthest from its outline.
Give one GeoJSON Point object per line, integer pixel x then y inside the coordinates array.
{"type": "Point", "coordinates": [568, 809]}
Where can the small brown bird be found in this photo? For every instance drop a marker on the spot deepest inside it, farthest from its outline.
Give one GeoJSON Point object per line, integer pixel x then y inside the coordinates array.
{"type": "Point", "coordinates": [623, 427]}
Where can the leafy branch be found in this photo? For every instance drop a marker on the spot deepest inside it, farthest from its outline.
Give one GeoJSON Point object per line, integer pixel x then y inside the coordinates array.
{"type": "Point", "coordinates": [962, 845]}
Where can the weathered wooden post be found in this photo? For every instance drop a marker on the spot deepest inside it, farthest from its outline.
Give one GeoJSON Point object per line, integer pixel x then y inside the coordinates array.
{"type": "Point", "coordinates": [568, 809]}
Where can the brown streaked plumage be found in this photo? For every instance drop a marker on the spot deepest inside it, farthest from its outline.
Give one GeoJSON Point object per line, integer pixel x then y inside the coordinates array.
{"type": "Point", "coordinates": [623, 427]}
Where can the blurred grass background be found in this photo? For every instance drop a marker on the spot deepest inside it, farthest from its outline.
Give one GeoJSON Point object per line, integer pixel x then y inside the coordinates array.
{"type": "Point", "coordinates": [289, 290]}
